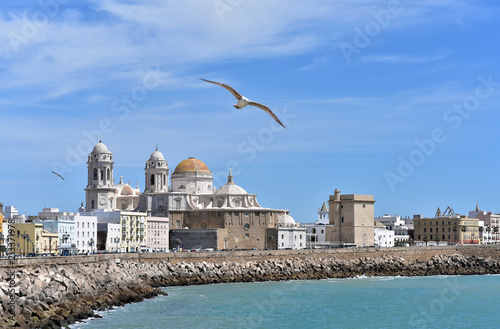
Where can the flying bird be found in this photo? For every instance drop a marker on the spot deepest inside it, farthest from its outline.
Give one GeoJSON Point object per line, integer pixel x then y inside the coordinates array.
{"type": "Point", "coordinates": [58, 175]}
{"type": "Point", "coordinates": [243, 101]}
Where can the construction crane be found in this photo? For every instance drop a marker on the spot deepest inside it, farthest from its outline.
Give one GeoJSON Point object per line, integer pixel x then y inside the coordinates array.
{"type": "Point", "coordinates": [448, 211]}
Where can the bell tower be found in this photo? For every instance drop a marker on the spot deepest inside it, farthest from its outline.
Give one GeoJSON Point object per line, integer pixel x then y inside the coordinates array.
{"type": "Point", "coordinates": [156, 172]}
{"type": "Point", "coordinates": [99, 193]}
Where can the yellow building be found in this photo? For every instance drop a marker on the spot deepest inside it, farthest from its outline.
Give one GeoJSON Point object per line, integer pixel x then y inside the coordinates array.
{"type": "Point", "coordinates": [454, 229]}
{"type": "Point", "coordinates": [49, 242]}
{"type": "Point", "coordinates": [134, 230]}
{"type": "Point", "coordinates": [27, 238]}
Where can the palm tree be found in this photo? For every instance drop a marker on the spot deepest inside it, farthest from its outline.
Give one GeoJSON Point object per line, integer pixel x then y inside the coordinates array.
{"type": "Point", "coordinates": [437, 239]}
{"type": "Point", "coordinates": [495, 229]}
{"type": "Point", "coordinates": [463, 229]}
{"type": "Point", "coordinates": [488, 229]}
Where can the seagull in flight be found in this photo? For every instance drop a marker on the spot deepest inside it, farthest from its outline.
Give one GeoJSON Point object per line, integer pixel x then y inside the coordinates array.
{"type": "Point", "coordinates": [243, 101]}
{"type": "Point", "coordinates": [58, 175]}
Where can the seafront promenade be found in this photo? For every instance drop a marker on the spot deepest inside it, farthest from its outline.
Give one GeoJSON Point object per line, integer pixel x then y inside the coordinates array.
{"type": "Point", "coordinates": [50, 292]}
{"type": "Point", "coordinates": [408, 253]}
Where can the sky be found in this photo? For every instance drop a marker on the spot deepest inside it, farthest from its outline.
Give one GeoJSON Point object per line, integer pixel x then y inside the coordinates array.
{"type": "Point", "coordinates": [398, 99]}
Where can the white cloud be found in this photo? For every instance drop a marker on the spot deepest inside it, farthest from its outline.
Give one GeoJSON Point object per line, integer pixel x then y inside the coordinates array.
{"type": "Point", "coordinates": [406, 59]}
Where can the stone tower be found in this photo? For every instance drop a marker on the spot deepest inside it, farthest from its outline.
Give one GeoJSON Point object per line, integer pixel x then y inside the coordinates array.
{"type": "Point", "coordinates": [353, 217]}
{"type": "Point", "coordinates": [156, 173]}
{"type": "Point", "coordinates": [100, 184]}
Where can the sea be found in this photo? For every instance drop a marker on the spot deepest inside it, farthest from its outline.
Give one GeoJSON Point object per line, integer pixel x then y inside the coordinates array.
{"type": "Point", "coordinates": [362, 302]}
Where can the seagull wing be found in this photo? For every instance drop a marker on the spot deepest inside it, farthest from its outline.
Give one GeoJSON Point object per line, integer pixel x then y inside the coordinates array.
{"type": "Point", "coordinates": [58, 175]}
{"type": "Point", "coordinates": [231, 89]}
{"type": "Point", "coordinates": [265, 108]}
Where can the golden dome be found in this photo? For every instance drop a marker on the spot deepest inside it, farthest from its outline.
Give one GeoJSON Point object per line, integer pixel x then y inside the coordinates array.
{"type": "Point", "coordinates": [190, 165]}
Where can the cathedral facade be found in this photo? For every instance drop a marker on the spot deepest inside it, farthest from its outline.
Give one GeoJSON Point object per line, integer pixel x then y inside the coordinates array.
{"type": "Point", "coordinates": [189, 200]}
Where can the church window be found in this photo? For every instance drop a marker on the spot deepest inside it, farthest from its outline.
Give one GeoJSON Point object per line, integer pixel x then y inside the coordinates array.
{"type": "Point", "coordinates": [95, 175]}
{"type": "Point", "coordinates": [220, 202]}
{"type": "Point", "coordinates": [342, 219]}
{"type": "Point", "coordinates": [92, 204]}
{"type": "Point", "coordinates": [177, 203]}
{"type": "Point", "coordinates": [108, 176]}
{"type": "Point", "coordinates": [102, 175]}
{"type": "Point", "coordinates": [247, 235]}
{"type": "Point", "coordinates": [313, 231]}
{"type": "Point", "coordinates": [178, 222]}
{"type": "Point", "coordinates": [182, 187]}
{"type": "Point", "coordinates": [246, 213]}
{"type": "Point", "coordinates": [152, 179]}
{"type": "Point", "coordinates": [237, 203]}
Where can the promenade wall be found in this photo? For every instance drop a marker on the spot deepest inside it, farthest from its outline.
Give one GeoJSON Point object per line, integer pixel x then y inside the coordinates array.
{"type": "Point", "coordinates": [410, 254]}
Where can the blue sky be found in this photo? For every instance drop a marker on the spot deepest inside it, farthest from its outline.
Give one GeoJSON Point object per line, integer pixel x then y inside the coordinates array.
{"type": "Point", "coordinates": [398, 99]}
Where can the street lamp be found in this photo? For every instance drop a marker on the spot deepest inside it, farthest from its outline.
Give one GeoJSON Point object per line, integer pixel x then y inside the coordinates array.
{"type": "Point", "coordinates": [225, 242]}
{"type": "Point", "coordinates": [25, 236]}
{"type": "Point", "coordinates": [116, 241]}
{"type": "Point", "coordinates": [91, 243]}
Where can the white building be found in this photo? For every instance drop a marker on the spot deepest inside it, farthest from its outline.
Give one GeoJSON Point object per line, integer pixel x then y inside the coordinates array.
{"type": "Point", "coordinates": [491, 226]}
{"type": "Point", "coordinates": [109, 237]}
{"type": "Point", "coordinates": [290, 234]}
{"type": "Point", "coordinates": [10, 212]}
{"type": "Point", "coordinates": [65, 230]}
{"type": "Point", "coordinates": [395, 224]}
{"type": "Point", "coordinates": [382, 236]}
{"type": "Point", "coordinates": [133, 226]}
{"type": "Point", "coordinates": [319, 233]}
{"type": "Point", "coordinates": [86, 233]}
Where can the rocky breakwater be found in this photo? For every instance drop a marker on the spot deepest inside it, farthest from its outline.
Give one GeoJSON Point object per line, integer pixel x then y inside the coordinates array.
{"type": "Point", "coordinates": [51, 297]}
{"type": "Point", "coordinates": [55, 296]}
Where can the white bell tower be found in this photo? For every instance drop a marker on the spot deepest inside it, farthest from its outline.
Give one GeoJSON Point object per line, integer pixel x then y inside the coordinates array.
{"type": "Point", "coordinates": [100, 190]}
{"type": "Point", "coordinates": [156, 173]}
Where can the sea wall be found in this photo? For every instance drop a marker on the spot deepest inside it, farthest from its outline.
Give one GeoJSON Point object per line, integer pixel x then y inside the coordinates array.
{"type": "Point", "coordinates": [52, 292]}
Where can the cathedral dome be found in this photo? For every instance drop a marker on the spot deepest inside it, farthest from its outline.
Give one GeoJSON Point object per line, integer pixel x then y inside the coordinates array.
{"type": "Point", "coordinates": [230, 188]}
{"type": "Point", "coordinates": [100, 148]}
{"type": "Point", "coordinates": [191, 165]}
{"type": "Point", "coordinates": [286, 219]}
{"type": "Point", "coordinates": [156, 155]}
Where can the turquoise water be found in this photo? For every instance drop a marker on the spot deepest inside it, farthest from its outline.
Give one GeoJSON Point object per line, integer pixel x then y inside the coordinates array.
{"type": "Point", "coordinates": [383, 302]}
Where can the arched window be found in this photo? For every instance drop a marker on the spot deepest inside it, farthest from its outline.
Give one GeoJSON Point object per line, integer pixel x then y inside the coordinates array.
{"type": "Point", "coordinates": [108, 176]}
{"type": "Point", "coordinates": [182, 187]}
{"type": "Point", "coordinates": [152, 179]}
{"type": "Point", "coordinates": [102, 174]}
{"type": "Point", "coordinates": [95, 174]}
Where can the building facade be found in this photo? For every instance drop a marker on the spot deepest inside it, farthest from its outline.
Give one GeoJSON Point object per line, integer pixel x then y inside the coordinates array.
{"type": "Point", "coordinates": [158, 233]}
{"type": "Point", "coordinates": [352, 215]}
{"type": "Point", "coordinates": [449, 229]}
{"type": "Point", "coordinates": [290, 235]}
{"type": "Point", "coordinates": [383, 236]}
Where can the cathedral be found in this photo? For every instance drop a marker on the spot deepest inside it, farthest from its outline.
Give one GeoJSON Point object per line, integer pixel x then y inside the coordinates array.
{"type": "Point", "coordinates": [191, 201]}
